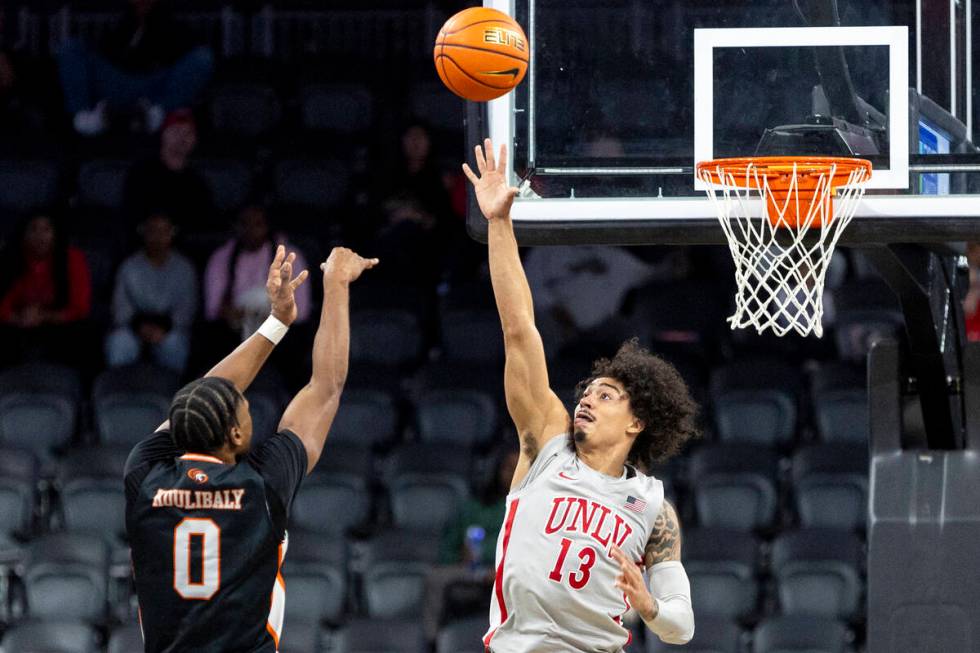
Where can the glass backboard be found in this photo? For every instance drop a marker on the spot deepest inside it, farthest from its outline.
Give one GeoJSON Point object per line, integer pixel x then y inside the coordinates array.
{"type": "Point", "coordinates": [623, 97]}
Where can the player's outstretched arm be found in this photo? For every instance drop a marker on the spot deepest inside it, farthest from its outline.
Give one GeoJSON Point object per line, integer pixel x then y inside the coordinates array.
{"type": "Point", "coordinates": [311, 412]}
{"type": "Point", "coordinates": [243, 364]}
{"type": "Point", "coordinates": [537, 412]}
{"type": "Point", "coordinates": [666, 606]}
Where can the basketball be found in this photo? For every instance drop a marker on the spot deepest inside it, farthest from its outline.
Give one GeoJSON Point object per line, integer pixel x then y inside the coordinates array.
{"type": "Point", "coordinates": [481, 54]}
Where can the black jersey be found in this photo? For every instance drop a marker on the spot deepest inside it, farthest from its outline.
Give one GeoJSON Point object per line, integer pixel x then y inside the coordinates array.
{"type": "Point", "coordinates": [208, 541]}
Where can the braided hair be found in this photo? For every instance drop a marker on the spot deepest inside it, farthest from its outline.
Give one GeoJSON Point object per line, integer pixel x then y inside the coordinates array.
{"type": "Point", "coordinates": [203, 413]}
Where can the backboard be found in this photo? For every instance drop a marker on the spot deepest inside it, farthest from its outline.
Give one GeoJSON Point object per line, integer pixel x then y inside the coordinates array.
{"type": "Point", "coordinates": [623, 97]}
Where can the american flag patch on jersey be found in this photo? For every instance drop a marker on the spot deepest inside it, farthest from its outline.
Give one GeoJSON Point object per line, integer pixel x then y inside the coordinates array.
{"type": "Point", "coordinates": [636, 505]}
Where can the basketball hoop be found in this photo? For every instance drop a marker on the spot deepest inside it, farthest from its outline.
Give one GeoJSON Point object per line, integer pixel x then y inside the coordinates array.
{"type": "Point", "coordinates": [782, 245]}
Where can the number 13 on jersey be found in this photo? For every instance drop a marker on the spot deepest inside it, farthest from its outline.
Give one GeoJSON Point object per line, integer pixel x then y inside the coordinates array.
{"type": "Point", "coordinates": [205, 535]}
{"type": "Point", "coordinates": [577, 579]}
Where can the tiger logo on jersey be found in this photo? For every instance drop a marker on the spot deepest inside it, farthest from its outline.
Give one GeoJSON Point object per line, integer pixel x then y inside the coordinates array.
{"type": "Point", "coordinates": [197, 475]}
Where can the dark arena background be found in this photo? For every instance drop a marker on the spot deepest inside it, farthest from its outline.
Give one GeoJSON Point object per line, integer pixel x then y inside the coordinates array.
{"type": "Point", "coordinates": [832, 504]}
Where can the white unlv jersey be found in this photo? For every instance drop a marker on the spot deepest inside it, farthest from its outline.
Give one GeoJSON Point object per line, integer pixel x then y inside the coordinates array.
{"type": "Point", "coordinates": [555, 585]}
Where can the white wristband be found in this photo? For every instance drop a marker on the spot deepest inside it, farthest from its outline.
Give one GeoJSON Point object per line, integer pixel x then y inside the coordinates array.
{"type": "Point", "coordinates": [273, 330]}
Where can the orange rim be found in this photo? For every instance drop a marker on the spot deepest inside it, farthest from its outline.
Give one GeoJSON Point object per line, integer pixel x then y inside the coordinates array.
{"type": "Point", "coordinates": [778, 171]}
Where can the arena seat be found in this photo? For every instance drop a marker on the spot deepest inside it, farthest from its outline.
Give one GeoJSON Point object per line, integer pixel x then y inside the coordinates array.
{"type": "Point", "coordinates": [394, 588]}
{"type": "Point", "coordinates": [227, 179]}
{"type": "Point", "coordinates": [756, 401]}
{"type": "Point", "coordinates": [425, 501]}
{"type": "Point", "coordinates": [102, 182]}
{"type": "Point", "coordinates": [65, 576]}
{"type": "Point", "coordinates": [373, 635]}
{"type": "Point", "coordinates": [722, 565]}
{"type": "Point", "coordinates": [830, 485]}
{"type": "Point", "coordinates": [248, 110]}
{"type": "Point", "coordinates": [365, 417]}
{"type": "Point", "coordinates": [339, 108]}
{"type": "Point", "coordinates": [319, 184]}
{"type": "Point", "coordinates": [800, 634]}
{"type": "Point", "coordinates": [35, 421]}
{"type": "Point", "coordinates": [50, 637]}
{"type": "Point", "coordinates": [18, 491]}
{"type": "Point", "coordinates": [818, 572]}
{"type": "Point", "coordinates": [734, 486]}
{"type": "Point", "coordinates": [464, 417]}
{"type": "Point", "coordinates": [125, 639]}
{"type": "Point", "coordinates": [331, 503]}
{"type": "Point", "coordinates": [387, 337]}
{"type": "Point", "coordinates": [127, 417]}
{"type": "Point", "coordinates": [464, 636]}
{"type": "Point", "coordinates": [472, 334]}
{"type": "Point", "coordinates": [711, 635]}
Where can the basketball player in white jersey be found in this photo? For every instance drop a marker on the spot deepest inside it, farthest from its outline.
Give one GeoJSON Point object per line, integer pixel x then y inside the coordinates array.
{"type": "Point", "coordinates": [582, 521]}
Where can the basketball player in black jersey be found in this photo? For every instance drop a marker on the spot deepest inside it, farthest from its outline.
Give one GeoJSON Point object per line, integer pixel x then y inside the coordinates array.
{"type": "Point", "coordinates": [205, 514]}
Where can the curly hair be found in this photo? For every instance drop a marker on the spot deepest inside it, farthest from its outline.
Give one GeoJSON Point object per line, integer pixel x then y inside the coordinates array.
{"type": "Point", "coordinates": [658, 397]}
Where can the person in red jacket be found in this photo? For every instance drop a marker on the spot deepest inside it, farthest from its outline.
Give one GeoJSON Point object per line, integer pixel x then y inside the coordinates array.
{"type": "Point", "coordinates": [45, 294]}
{"type": "Point", "coordinates": [971, 305]}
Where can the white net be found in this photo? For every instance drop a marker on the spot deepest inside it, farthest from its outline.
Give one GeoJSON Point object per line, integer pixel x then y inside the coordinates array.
{"type": "Point", "coordinates": [781, 260]}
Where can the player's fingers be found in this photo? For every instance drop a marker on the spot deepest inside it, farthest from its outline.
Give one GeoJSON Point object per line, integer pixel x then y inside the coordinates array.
{"type": "Point", "coordinates": [513, 190]}
{"type": "Point", "coordinates": [488, 148]}
{"type": "Point", "coordinates": [617, 554]}
{"type": "Point", "coordinates": [470, 174]}
{"type": "Point", "coordinates": [277, 259]}
{"type": "Point", "coordinates": [481, 163]}
{"type": "Point", "coordinates": [370, 263]}
{"type": "Point", "coordinates": [502, 159]}
{"type": "Point", "coordinates": [286, 271]}
{"type": "Point", "coordinates": [298, 281]}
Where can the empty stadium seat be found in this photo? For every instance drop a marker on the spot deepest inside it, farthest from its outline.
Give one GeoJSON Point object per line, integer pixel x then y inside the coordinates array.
{"type": "Point", "coordinates": [127, 417]}
{"type": "Point", "coordinates": [365, 417]}
{"type": "Point", "coordinates": [385, 337]}
{"type": "Point", "coordinates": [42, 377]}
{"type": "Point", "coordinates": [126, 639]}
{"type": "Point", "coordinates": [345, 459]}
{"type": "Point", "coordinates": [18, 489]}
{"type": "Point", "coordinates": [464, 417]}
{"type": "Point", "coordinates": [300, 636]}
{"type": "Point", "coordinates": [394, 588]}
{"type": "Point", "coordinates": [722, 565]}
{"type": "Point", "coordinates": [734, 486]}
{"type": "Point", "coordinates": [430, 458]}
{"type": "Point", "coordinates": [800, 634]}
{"type": "Point", "coordinates": [372, 635]}
{"type": "Point", "coordinates": [136, 378]}
{"type": "Point", "coordinates": [311, 183]}
{"type": "Point", "coordinates": [444, 111]}
{"type": "Point", "coordinates": [331, 503]}
{"type": "Point", "coordinates": [711, 635]}
{"type": "Point", "coordinates": [394, 544]}
{"type": "Point", "coordinates": [26, 185]}
{"type": "Point", "coordinates": [425, 501]}
{"type": "Point", "coordinates": [465, 636]}
{"type": "Point", "coordinates": [315, 574]}
{"type": "Point", "coordinates": [229, 181]}
{"type": "Point", "coordinates": [35, 421]}
{"type": "Point", "coordinates": [840, 403]}
{"type": "Point", "coordinates": [830, 485]}
{"type": "Point", "coordinates": [65, 577]}
{"type": "Point", "coordinates": [51, 637]}
{"type": "Point", "coordinates": [755, 401]}
{"type": "Point", "coordinates": [90, 494]}
{"type": "Point", "coordinates": [818, 572]}
{"type": "Point", "coordinates": [341, 108]}
{"type": "Point", "coordinates": [472, 334]}
{"type": "Point", "coordinates": [102, 182]}
{"type": "Point", "coordinates": [244, 109]}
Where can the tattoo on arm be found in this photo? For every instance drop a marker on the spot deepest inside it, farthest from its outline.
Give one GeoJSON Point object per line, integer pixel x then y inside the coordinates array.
{"type": "Point", "coordinates": [665, 541]}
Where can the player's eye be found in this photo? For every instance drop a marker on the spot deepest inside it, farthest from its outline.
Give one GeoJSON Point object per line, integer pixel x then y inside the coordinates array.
{"type": "Point", "coordinates": [606, 395]}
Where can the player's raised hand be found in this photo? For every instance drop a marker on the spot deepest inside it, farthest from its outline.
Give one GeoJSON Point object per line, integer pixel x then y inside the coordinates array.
{"type": "Point", "coordinates": [281, 286]}
{"type": "Point", "coordinates": [630, 581]}
{"type": "Point", "coordinates": [492, 192]}
{"type": "Point", "coordinates": [345, 265]}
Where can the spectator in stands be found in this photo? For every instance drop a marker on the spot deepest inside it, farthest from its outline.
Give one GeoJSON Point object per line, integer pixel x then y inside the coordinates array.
{"type": "Point", "coordinates": [45, 294]}
{"type": "Point", "coordinates": [579, 291]}
{"type": "Point", "coordinates": [467, 560]}
{"type": "Point", "coordinates": [235, 298]}
{"type": "Point", "coordinates": [971, 305]}
{"type": "Point", "coordinates": [154, 301]}
{"type": "Point", "coordinates": [416, 212]}
{"type": "Point", "coordinates": [145, 63]}
{"type": "Point", "coordinates": [167, 181]}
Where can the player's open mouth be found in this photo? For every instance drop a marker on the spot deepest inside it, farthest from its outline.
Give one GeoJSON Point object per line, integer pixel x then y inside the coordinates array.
{"type": "Point", "coordinates": [584, 416]}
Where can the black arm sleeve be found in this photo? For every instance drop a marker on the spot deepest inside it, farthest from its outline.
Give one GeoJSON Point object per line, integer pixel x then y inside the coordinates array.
{"type": "Point", "coordinates": [281, 461]}
{"type": "Point", "coordinates": [157, 448]}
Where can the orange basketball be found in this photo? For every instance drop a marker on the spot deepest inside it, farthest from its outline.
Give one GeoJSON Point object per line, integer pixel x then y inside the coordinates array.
{"type": "Point", "coordinates": [481, 54]}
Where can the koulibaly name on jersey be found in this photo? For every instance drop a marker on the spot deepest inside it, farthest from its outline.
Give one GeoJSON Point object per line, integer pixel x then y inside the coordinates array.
{"type": "Point", "coordinates": [199, 499]}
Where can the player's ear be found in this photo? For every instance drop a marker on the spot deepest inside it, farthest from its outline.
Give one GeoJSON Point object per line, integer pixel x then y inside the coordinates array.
{"type": "Point", "coordinates": [636, 427]}
{"type": "Point", "coordinates": [235, 436]}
